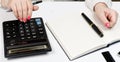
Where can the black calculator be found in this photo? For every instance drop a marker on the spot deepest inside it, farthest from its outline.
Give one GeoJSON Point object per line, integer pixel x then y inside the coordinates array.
{"type": "Point", "coordinates": [25, 39]}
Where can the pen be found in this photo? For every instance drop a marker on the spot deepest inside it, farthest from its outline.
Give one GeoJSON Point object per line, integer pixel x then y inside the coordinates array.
{"type": "Point", "coordinates": [40, 1]}
{"type": "Point", "coordinates": [95, 28]}
{"type": "Point", "coordinates": [37, 2]}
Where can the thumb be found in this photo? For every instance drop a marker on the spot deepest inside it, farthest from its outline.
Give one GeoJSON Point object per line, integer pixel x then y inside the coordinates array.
{"type": "Point", "coordinates": [35, 8]}
{"type": "Point", "coordinates": [104, 20]}
{"type": "Point", "coordinates": [113, 18]}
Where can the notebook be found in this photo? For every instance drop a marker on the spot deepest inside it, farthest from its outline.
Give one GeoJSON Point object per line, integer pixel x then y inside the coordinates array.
{"type": "Point", "coordinates": [77, 38]}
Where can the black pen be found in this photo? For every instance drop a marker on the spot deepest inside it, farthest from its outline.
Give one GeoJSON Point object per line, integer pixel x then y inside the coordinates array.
{"type": "Point", "coordinates": [95, 28]}
{"type": "Point", "coordinates": [36, 2]}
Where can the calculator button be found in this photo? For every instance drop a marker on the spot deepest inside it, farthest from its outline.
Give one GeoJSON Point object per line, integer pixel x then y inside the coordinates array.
{"type": "Point", "coordinates": [12, 42]}
{"type": "Point", "coordinates": [21, 31]}
{"type": "Point", "coordinates": [22, 34]}
{"type": "Point", "coordinates": [8, 33]}
{"type": "Point", "coordinates": [26, 24]}
{"type": "Point", "coordinates": [34, 36]}
{"type": "Point", "coordinates": [27, 30]}
{"type": "Point", "coordinates": [22, 38]}
{"type": "Point", "coordinates": [31, 20]}
{"type": "Point", "coordinates": [42, 37]}
{"type": "Point", "coordinates": [33, 33]}
{"type": "Point", "coordinates": [38, 21]}
{"type": "Point", "coordinates": [13, 24]}
{"type": "Point", "coordinates": [28, 34]}
{"type": "Point", "coordinates": [8, 37]}
{"type": "Point", "coordinates": [31, 23]}
{"type": "Point", "coordinates": [32, 30]}
{"type": "Point", "coordinates": [40, 29]}
{"type": "Point", "coordinates": [21, 28]}
{"type": "Point", "coordinates": [14, 36]}
{"type": "Point", "coordinates": [28, 37]}
{"type": "Point", "coordinates": [40, 25]}
{"type": "Point", "coordinates": [32, 27]}
{"type": "Point", "coordinates": [41, 32]}
{"type": "Point", "coordinates": [7, 29]}
{"type": "Point", "coordinates": [6, 25]}
{"type": "Point", "coordinates": [20, 24]}
{"type": "Point", "coordinates": [13, 32]}
{"type": "Point", "coordinates": [13, 29]}
{"type": "Point", "coordinates": [26, 27]}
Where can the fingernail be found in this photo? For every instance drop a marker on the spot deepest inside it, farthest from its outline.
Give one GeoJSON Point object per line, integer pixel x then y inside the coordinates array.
{"type": "Point", "coordinates": [107, 24]}
{"type": "Point", "coordinates": [24, 20]}
{"type": "Point", "coordinates": [20, 19]}
{"type": "Point", "coordinates": [29, 18]}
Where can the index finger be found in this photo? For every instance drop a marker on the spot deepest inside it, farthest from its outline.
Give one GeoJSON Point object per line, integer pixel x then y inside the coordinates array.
{"type": "Point", "coordinates": [30, 7]}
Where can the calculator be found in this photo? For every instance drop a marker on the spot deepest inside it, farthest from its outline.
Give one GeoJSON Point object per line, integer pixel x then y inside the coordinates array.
{"type": "Point", "coordinates": [25, 39]}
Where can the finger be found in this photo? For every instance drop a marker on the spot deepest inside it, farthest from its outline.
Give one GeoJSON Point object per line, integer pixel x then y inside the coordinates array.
{"type": "Point", "coordinates": [14, 9]}
{"type": "Point", "coordinates": [19, 10]}
{"type": "Point", "coordinates": [24, 10]}
{"type": "Point", "coordinates": [3, 3]}
{"type": "Point", "coordinates": [113, 19]}
{"type": "Point", "coordinates": [35, 8]}
{"type": "Point", "coordinates": [103, 18]}
{"type": "Point", "coordinates": [30, 7]}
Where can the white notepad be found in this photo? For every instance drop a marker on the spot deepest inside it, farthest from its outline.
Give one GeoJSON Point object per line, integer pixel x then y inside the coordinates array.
{"type": "Point", "coordinates": [77, 38]}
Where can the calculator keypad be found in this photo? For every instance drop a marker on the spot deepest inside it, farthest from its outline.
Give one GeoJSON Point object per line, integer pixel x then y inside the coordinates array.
{"type": "Point", "coordinates": [30, 30]}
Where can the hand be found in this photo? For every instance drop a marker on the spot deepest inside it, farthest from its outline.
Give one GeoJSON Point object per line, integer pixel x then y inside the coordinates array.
{"type": "Point", "coordinates": [22, 9]}
{"type": "Point", "coordinates": [106, 15]}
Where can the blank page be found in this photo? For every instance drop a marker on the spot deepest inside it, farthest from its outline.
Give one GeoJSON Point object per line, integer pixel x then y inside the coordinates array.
{"type": "Point", "coordinates": [74, 34]}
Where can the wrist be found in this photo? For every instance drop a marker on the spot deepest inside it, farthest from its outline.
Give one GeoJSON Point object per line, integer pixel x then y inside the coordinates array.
{"type": "Point", "coordinates": [100, 5]}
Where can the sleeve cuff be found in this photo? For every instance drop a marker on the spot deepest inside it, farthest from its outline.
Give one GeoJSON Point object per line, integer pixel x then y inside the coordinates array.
{"type": "Point", "coordinates": [91, 3]}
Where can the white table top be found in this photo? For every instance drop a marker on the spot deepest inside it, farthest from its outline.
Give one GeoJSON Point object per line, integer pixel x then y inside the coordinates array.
{"type": "Point", "coordinates": [48, 11]}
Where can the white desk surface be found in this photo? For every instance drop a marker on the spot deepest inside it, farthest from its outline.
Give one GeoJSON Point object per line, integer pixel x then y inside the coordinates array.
{"type": "Point", "coordinates": [49, 11]}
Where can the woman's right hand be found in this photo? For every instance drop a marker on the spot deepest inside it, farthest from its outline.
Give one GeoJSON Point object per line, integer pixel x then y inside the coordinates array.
{"type": "Point", "coordinates": [22, 9]}
{"type": "Point", "coordinates": [106, 15]}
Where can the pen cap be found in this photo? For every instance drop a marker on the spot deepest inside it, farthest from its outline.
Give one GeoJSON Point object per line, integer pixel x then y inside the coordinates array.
{"type": "Point", "coordinates": [97, 30]}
